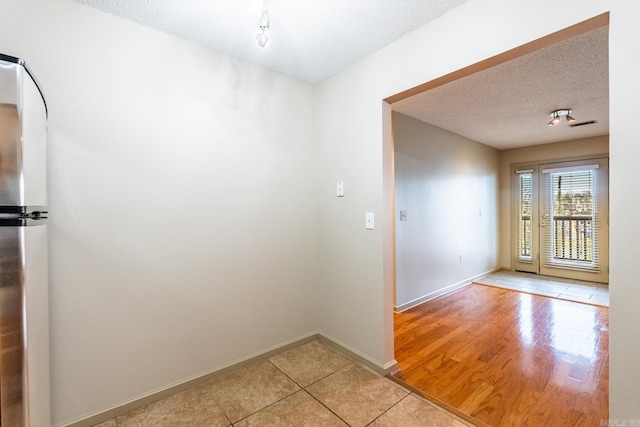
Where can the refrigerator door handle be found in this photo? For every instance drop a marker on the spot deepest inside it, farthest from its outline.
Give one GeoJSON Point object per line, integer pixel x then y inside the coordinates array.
{"type": "Point", "coordinates": [23, 221]}
{"type": "Point", "coordinates": [37, 215]}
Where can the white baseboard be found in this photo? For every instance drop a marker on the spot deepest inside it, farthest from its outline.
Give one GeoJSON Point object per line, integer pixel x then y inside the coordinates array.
{"type": "Point", "coordinates": [432, 295]}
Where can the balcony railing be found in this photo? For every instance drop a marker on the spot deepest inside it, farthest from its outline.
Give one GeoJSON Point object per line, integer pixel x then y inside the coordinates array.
{"type": "Point", "coordinates": [525, 237]}
{"type": "Point", "coordinates": [573, 237]}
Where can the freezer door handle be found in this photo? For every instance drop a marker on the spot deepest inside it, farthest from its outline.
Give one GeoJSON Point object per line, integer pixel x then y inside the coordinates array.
{"type": "Point", "coordinates": [38, 215]}
{"type": "Point", "coordinates": [24, 220]}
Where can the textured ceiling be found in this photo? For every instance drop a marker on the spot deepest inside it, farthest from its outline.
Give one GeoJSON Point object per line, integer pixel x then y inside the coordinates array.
{"type": "Point", "coordinates": [505, 106]}
{"type": "Point", "coordinates": [508, 105]}
{"type": "Point", "coordinates": [309, 40]}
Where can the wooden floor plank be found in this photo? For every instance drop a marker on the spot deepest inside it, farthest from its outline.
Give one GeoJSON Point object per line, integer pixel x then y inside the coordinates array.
{"type": "Point", "coordinates": [507, 358]}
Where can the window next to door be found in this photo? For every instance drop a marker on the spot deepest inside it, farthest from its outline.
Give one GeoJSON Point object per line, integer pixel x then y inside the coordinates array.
{"type": "Point", "coordinates": [560, 222]}
{"type": "Point", "coordinates": [525, 232]}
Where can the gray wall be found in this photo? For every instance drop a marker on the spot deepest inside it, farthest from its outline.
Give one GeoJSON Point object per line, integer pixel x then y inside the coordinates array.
{"type": "Point", "coordinates": [448, 185]}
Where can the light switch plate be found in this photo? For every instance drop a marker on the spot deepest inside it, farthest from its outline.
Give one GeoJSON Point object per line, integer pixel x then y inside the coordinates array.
{"type": "Point", "coordinates": [369, 221]}
{"type": "Point", "coordinates": [403, 215]}
{"type": "Point", "coordinates": [340, 189]}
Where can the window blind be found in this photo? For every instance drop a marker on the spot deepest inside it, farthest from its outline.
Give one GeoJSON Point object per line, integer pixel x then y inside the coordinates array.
{"type": "Point", "coordinates": [523, 212]}
{"type": "Point", "coordinates": [569, 225]}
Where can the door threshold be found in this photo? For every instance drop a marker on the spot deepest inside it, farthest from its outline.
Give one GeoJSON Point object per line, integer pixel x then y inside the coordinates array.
{"type": "Point", "coordinates": [566, 289]}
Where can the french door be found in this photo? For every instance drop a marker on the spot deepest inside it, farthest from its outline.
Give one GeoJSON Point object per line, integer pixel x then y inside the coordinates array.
{"type": "Point", "coordinates": [561, 219]}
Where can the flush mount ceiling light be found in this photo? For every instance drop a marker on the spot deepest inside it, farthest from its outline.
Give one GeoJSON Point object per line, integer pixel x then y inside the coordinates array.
{"type": "Point", "coordinates": [556, 114]}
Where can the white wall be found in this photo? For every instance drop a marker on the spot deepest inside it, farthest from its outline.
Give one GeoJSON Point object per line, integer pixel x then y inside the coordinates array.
{"type": "Point", "coordinates": [448, 185]}
{"type": "Point", "coordinates": [596, 147]}
{"type": "Point", "coordinates": [183, 211]}
{"type": "Point", "coordinates": [119, 300]}
{"type": "Point", "coordinates": [624, 348]}
{"type": "Point", "coordinates": [355, 287]}
{"type": "Point", "coordinates": [355, 301]}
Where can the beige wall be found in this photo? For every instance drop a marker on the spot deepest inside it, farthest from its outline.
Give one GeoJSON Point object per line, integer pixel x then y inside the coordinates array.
{"type": "Point", "coordinates": [595, 147]}
{"type": "Point", "coordinates": [448, 185]}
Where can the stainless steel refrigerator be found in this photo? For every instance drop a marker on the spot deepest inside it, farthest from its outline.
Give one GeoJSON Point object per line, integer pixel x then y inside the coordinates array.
{"type": "Point", "coordinates": [24, 295]}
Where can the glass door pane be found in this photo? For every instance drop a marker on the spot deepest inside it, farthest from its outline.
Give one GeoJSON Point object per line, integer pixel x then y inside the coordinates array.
{"type": "Point", "coordinates": [573, 223]}
{"type": "Point", "coordinates": [525, 221]}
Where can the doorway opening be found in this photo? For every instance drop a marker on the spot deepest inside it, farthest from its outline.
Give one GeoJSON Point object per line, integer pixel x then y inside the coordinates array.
{"type": "Point", "coordinates": [560, 221]}
{"type": "Point", "coordinates": [562, 234]}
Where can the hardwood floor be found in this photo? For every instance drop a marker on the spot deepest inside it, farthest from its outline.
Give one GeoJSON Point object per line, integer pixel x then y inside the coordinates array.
{"type": "Point", "coordinates": [507, 358]}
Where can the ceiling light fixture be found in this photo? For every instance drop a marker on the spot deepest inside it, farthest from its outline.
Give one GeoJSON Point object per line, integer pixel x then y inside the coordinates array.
{"type": "Point", "coordinates": [556, 114]}
{"type": "Point", "coordinates": [263, 24]}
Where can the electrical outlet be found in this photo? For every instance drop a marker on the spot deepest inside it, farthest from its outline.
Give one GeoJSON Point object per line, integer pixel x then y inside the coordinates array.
{"type": "Point", "coordinates": [369, 221]}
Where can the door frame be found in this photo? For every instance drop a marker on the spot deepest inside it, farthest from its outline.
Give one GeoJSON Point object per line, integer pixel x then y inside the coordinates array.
{"type": "Point", "coordinates": [535, 265]}
{"type": "Point", "coordinates": [601, 225]}
{"type": "Point", "coordinates": [517, 264]}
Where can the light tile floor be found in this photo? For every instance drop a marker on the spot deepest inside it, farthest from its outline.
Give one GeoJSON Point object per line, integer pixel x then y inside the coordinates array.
{"type": "Point", "coordinates": [310, 385]}
{"type": "Point", "coordinates": [572, 290]}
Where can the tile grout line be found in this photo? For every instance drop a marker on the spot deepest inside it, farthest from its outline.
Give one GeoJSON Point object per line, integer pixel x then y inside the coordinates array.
{"type": "Point", "coordinates": [304, 389]}
{"type": "Point", "coordinates": [389, 408]}
{"type": "Point", "coordinates": [328, 409]}
{"type": "Point", "coordinates": [301, 388]}
{"type": "Point", "coordinates": [349, 364]}
{"type": "Point", "coordinates": [272, 403]}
